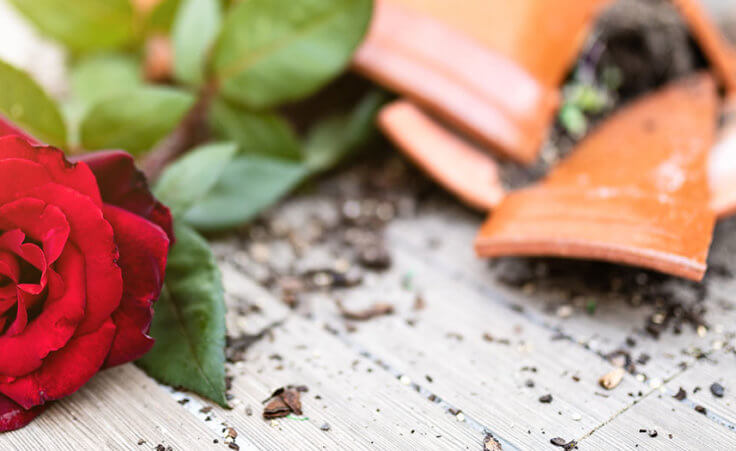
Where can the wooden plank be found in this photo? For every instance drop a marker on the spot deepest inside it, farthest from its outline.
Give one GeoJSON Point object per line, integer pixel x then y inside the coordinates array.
{"type": "Point", "coordinates": [461, 303]}
{"type": "Point", "coordinates": [450, 229]}
{"type": "Point", "coordinates": [365, 406]}
{"type": "Point", "coordinates": [696, 381]}
{"type": "Point", "coordinates": [116, 410]}
{"type": "Point", "coordinates": [485, 380]}
{"type": "Point", "coordinates": [679, 426]}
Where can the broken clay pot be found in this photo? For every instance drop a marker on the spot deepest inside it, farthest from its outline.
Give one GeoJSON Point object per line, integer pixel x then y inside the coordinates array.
{"type": "Point", "coordinates": [718, 51]}
{"type": "Point", "coordinates": [634, 192]}
{"type": "Point", "coordinates": [479, 65]}
{"type": "Point", "coordinates": [722, 57]}
{"type": "Point", "coordinates": [458, 165]}
{"type": "Point", "coordinates": [722, 164]}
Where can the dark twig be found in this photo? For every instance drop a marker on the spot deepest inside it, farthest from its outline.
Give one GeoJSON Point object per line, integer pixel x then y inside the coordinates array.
{"type": "Point", "coordinates": [192, 130]}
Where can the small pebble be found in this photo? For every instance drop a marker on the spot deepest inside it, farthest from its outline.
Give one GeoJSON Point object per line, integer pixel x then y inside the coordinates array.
{"type": "Point", "coordinates": [558, 441]}
{"type": "Point", "coordinates": [610, 380]}
{"type": "Point", "coordinates": [564, 311]}
{"type": "Point", "coordinates": [717, 390]}
{"type": "Point", "coordinates": [545, 399]}
{"type": "Point", "coordinates": [325, 427]}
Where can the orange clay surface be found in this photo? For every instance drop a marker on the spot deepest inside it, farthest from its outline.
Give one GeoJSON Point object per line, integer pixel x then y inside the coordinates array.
{"type": "Point", "coordinates": [459, 166]}
{"type": "Point", "coordinates": [722, 56]}
{"type": "Point", "coordinates": [480, 65]}
{"type": "Point", "coordinates": [634, 192]}
{"type": "Point", "coordinates": [718, 51]}
{"type": "Point", "coordinates": [722, 164]}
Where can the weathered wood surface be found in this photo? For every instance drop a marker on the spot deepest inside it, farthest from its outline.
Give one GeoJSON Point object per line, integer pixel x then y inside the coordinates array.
{"type": "Point", "coordinates": [443, 376]}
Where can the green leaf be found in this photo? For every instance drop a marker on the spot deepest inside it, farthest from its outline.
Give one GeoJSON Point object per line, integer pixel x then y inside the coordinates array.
{"type": "Point", "coordinates": [81, 25]}
{"type": "Point", "coordinates": [134, 120]}
{"type": "Point", "coordinates": [162, 17]}
{"type": "Point", "coordinates": [249, 184]}
{"type": "Point", "coordinates": [195, 28]}
{"type": "Point", "coordinates": [28, 106]}
{"type": "Point", "coordinates": [330, 140]}
{"type": "Point", "coordinates": [573, 120]}
{"type": "Point", "coordinates": [96, 77]}
{"type": "Point", "coordinates": [262, 133]}
{"type": "Point", "coordinates": [191, 177]}
{"type": "Point", "coordinates": [104, 75]}
{"type": "Point", "coordinates": [273, 51]}
{"type": "Point", "coordinates": [189, 323]}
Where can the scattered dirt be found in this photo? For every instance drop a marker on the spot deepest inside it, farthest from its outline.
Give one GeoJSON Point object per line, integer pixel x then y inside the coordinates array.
{"type": "Point", "coordinates": [378, 309]}
{"type": "Point", "coordinates": [675, 302]}
{"type": "Point", "coordinates": [490, 444]}
{"type": "Point", "coordinates": [647, 42]}
{"type": "Point", "coordinates": [680, 395]}
{"type": "Point", "coordinates": [283, 402]}
{"type": "Point", "coordinates": [236, 347]}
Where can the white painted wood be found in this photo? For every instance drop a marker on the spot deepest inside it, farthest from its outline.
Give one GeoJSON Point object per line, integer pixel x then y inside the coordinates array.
{"type": "Point", "coordinates": [365, 406]}
{"type": "Point", "coordinates": [679, 426]}
{"type": "Point", "coordinates": [116, 410]}
{"type": "Point", "coordinates": [373, 381]}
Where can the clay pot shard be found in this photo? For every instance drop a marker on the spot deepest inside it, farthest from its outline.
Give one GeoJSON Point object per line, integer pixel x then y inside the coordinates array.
{"type": "Point", "coordinates": [718, 51]}
{"type": "Point", "coordinates": [489, 68]}
{"type": "Point", "coordinates": [456, 164]}
{"type": "Point", "coordinates": [722, 56]}
{"type": "Point", "coordinates": [722, 164]}
{"type": "Point", "coordinates": [634, 192]}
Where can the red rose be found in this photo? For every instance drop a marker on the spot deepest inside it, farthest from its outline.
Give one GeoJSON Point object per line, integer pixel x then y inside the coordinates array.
{"type": "Point", "coordinates": [83, 250]}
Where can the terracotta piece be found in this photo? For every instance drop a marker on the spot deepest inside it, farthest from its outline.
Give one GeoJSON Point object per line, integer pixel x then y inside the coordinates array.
{"type": "Point", "coordinates": [718, 51]}
{"type": "Point", "coordinates": [634, 192]}
{"type": "Point", "coordinates": [722, 56]}
{"type": "Point", "coordinates": [479, 65]}
{"type": "Point", "coordinates": [722, 164]}
{"type": "Point", "coordinates": [459, 166]}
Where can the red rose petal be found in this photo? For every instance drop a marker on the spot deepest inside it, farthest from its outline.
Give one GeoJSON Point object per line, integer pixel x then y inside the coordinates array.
{"type": "Point", "coordinates": [19, 176]}
{"type": "Point", "coordinates": [40, 221]}
{"type": "Point", "coordinates": [21, 319]}
{"type": "Point", "coordinates": [143, 249]}
{"type": "Point", "coordinates": [13, 416]}
{"type": "Point", "coordinates": [27, 294]}
{"type": "Point", "coordinates": [79, 177]}
{"type": "Point", "coordinates": [13, 241]}
{"type": "Point", "coordinates": [9, 266]}
{"type": "Point", "coordinates": [93, 236]}
{"type": "Point", "coordinates": [57, 322]}
{"type": "Point", "coordinates": [124, 186]}
{"type": "Point", "coordinates": [7, 302]}
{"type": "Point", "coordinates": [64, 371]}
{"type": "Point", "coordinates": [133, 320]}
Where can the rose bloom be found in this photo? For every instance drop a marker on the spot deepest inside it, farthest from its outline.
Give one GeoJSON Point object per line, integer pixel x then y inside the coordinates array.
{"type": "Point", "coordinates": [83, 248]}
